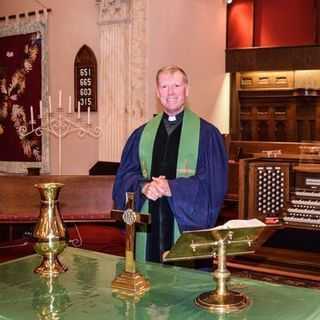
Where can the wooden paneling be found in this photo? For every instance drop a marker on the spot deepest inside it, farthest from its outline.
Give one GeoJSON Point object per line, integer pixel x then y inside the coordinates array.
{"type": "Point", "coordinates": [267, 106]}
{"type": "Point", "coordinates": [283, 115]}
{"type": "Point", "coordinates": [81, 198]}
{"type": "Point", "coordinates": [280, 58]}
{"type": "Point", "coordinates": [246, 149]}
{"type": "Point", "coordinates": [266, 80]}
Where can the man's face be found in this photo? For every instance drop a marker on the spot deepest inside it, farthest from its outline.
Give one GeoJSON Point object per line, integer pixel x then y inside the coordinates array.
{"type": "Point", "coordinates": [172, 92]}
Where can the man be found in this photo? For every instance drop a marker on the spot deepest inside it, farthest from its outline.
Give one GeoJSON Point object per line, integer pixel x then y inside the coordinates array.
{"type": "Point", "coordinates": [177, 168]}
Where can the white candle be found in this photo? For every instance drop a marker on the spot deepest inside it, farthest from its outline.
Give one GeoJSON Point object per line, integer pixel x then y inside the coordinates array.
{"type": "Point", "coordinates": [60, 98]}
{"type": "Point", "coordinates": [50, 106]}
{"type": "Point", "coordinates": [31, 112]}
{"type": "Point", "coordinates": [78, 109]}
{"type": "Point", "coordinates": [88, 115]}
{"type": "Point", "coordinates": [70, 105]}
{"type": "Point", "coordinates": [40, 109]}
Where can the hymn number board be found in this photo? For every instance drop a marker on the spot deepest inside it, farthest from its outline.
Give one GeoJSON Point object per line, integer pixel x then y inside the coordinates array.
{"type": "Point", "coordinates": [86, 97]}
{"type": "Point", "coordinates": [85, 80]}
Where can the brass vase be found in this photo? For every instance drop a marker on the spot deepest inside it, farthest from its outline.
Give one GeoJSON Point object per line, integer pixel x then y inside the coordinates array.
{"type": "Point", "coordinates": [49, 233]}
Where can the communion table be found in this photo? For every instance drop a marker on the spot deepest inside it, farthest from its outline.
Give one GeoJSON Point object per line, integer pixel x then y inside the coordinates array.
{"type": "Point", "coordinates": [84, 292]}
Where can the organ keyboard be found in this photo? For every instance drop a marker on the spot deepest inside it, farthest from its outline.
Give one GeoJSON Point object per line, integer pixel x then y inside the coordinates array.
{"type": "Point", "coordinates": [303, 208]}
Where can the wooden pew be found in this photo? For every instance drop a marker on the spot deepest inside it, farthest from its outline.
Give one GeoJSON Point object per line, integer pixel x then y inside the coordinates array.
{"type": "Point", "coordinates": [85, 204]}
{"type": "Point", "coordinates": [82, 198]}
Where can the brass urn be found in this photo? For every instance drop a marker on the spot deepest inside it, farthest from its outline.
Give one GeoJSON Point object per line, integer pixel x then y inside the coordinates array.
{"type": "Point", "coordinates": [49, 233]}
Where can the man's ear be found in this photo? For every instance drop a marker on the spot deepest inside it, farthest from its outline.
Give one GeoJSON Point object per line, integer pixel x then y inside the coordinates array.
{"type": "Point", "coordinates": [187, 91]}
{"type": "Point", "coordinates": [157, 92]}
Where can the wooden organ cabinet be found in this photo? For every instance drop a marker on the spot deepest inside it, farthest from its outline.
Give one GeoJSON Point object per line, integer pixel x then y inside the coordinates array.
{"type": "Point", "coordinates": [276, 106]}
{"type": "Point", "coordinates": [284, 190]}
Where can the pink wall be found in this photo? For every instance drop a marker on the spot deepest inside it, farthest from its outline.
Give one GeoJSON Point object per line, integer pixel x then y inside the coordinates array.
{"type": "Point", "coordinates": [192, 36]}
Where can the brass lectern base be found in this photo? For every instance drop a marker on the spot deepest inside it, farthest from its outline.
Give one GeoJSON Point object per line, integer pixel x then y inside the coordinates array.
{"type": "Point", "coordinates": [230, 302]}
{"type": "Point", "coordinates": [130, 284]}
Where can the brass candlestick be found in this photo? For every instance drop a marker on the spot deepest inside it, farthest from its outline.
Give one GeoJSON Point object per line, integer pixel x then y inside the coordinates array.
{"type": "Point", "coordinates": [49, 233]}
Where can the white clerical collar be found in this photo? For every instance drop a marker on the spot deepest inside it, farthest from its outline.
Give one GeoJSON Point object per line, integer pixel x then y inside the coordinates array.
{"type": "Point", "coordinates": [172, 118]}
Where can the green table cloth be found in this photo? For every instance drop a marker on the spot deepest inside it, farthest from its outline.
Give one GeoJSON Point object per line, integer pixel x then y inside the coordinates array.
{"type": "Point", "coordinates": [84, 292]}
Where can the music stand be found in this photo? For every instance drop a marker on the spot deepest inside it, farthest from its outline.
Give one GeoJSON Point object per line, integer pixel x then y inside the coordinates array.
{"type": "Point", "coordinates": [218, 243]}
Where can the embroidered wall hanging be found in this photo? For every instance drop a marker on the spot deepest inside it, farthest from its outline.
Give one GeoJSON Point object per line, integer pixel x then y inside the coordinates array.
{"type": "Point", "coordinates": [23, 83]}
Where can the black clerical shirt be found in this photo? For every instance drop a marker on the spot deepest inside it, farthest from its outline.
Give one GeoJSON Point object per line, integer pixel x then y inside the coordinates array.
{"type": "Point", "coordinates": [164, 163]}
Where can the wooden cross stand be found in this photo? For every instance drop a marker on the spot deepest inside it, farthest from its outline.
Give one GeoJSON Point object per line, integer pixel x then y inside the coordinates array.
{"type": "Point", "coordinates": [130, 282]}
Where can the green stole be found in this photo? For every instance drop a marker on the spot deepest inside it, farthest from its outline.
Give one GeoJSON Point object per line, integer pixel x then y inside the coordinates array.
{"type": "Point", "coordinates": [186, 164]}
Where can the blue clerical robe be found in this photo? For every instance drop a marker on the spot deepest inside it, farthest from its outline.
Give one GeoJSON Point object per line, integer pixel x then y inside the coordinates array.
{"type": "Point", "coordinates": [195, 200]}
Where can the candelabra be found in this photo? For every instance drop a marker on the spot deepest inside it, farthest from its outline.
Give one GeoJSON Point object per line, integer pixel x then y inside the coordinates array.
{"type": "Point", "coordinates": [60, 124]}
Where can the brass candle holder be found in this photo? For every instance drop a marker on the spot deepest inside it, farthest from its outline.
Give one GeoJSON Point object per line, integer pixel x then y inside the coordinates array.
{"type": "Point", "coordinates": [49, 233]}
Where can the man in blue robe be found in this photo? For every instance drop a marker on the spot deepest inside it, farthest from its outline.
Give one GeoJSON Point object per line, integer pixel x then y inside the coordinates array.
{"type": "Point", "coordinates": [177, 167]}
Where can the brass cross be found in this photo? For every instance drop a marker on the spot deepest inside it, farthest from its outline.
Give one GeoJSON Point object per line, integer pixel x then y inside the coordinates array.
{"type": "Point", "coordinates": [130, 281]}
{"type": "Point", "coordinates": [130, 218]}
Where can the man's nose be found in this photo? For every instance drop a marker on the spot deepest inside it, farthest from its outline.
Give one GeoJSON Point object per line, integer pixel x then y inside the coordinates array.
{"type": "Point", "coordinates": [170, 90]}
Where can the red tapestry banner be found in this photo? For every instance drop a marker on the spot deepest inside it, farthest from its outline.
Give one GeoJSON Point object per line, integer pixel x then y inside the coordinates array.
{"type": "Point", "coordinates": [20, 88]}
{"type": "Point", "coordinates": [23, 84]}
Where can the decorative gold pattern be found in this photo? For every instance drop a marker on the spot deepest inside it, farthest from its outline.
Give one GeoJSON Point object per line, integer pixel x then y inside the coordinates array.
{"type": "Point", "coordinates": [185, 171]}
{"type": "Point", "coordinates": [129, 216]}
{"type": "Point", "coordinates": [144, 169]}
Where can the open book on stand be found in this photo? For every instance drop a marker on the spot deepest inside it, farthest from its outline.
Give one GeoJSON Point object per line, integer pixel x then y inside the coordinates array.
{"type": "Point", "coordinates": [239, 236]}
{"type": "Point", "coordinates": [237, 223]}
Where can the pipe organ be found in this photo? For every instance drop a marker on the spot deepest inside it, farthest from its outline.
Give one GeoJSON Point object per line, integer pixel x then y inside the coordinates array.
{"type": "Point", "coordinates": [303, 208]}
{"type": "Point", "coordinates": [268, 191]}
{"type": "Point", "coordinates": [284, 191]}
